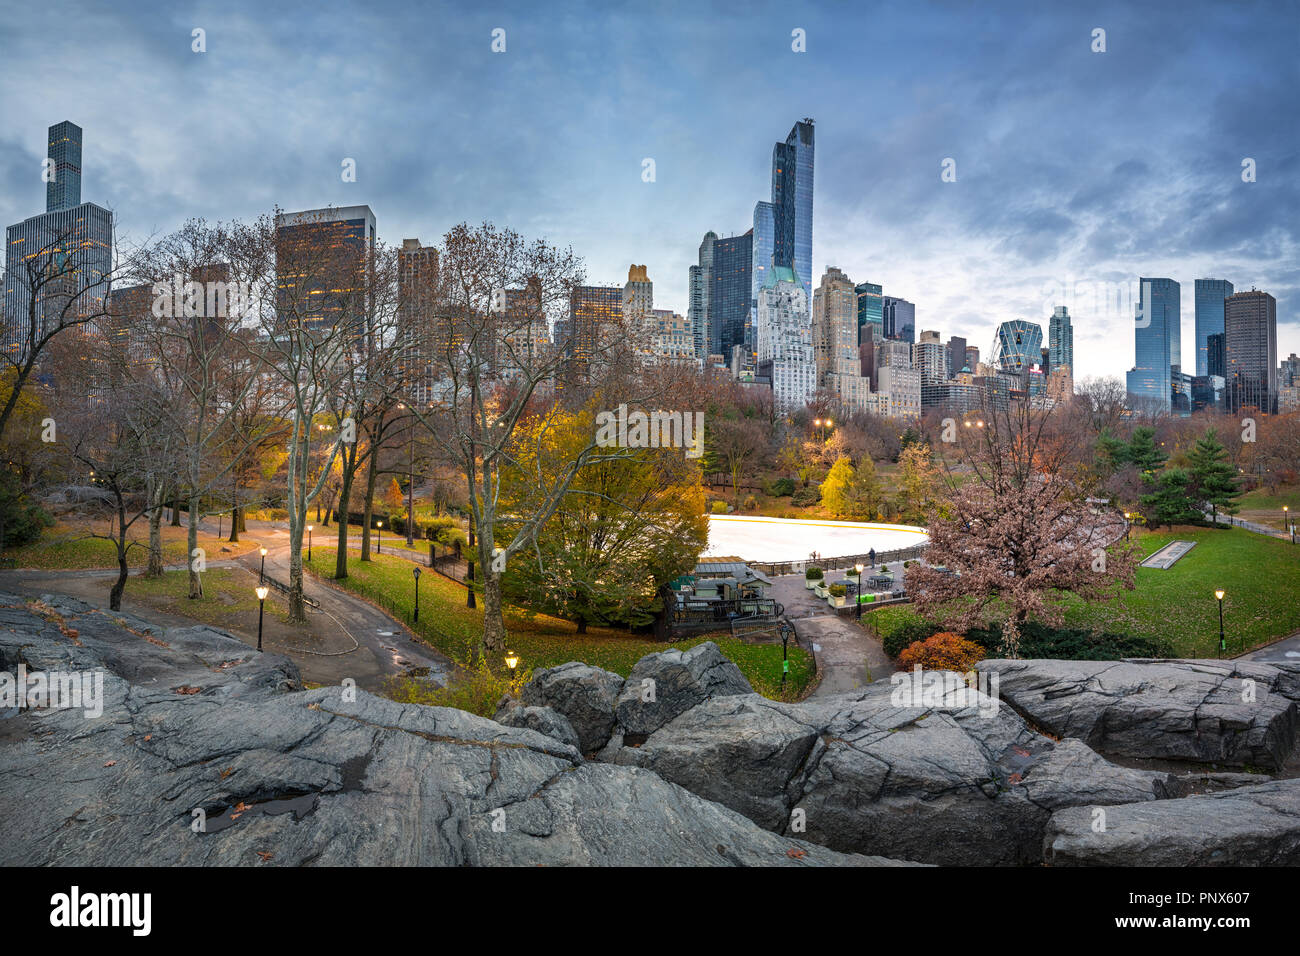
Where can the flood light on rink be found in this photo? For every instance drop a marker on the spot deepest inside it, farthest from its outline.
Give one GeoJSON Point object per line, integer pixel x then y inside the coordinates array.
{"type": "Point", "coordinates": [780, 539]}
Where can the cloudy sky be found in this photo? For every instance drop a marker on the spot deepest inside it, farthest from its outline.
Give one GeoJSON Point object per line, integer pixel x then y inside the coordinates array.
{"type": "Point", "coordinates": [1076, 171]}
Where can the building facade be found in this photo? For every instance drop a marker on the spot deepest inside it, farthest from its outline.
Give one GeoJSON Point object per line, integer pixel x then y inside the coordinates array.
{"type": "Point", "coordinates": [1157, 342]}
{"type": "Point", "coordinates": [1210, 294]}
{"type": "Point", "coordinates": [1250, 337]}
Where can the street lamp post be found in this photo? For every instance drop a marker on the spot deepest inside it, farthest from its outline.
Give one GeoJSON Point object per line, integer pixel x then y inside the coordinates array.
{"type": "Point", "coordinates": [1223, 644]}
{"type": "Point", "coordinates": [1286, 518]}
{"type": "Point", "coordinates": [309, 527]}
{"type": "Point", "coordinates": [1127, 516]}
{"type": "Point", "coordinates": [261, 573]}
{"type": "Point", "coordinates": [379, 544]}
{"type": "Point", "coordinates": [512, 661]}
{"type": "Point", "coordinates": [858, 598]}
{"type": "Point", "coordinates": [415, 618]}
{"type": "Point", "coordinates": [261, 604]}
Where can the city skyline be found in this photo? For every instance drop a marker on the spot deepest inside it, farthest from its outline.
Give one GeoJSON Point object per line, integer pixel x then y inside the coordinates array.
{"type": "Point", "coordinates": [1020, 227]}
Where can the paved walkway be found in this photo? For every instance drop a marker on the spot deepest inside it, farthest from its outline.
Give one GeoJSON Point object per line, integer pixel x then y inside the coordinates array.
{"type": "Point", "coordinates": [848, 655]}
{"type": "Point", "coordinates": [1285, 651]}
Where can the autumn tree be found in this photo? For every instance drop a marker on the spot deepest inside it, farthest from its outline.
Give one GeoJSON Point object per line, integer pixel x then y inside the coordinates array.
{"type": "Point", "coordinates": [918, 483]}
{"type": "Point", "coordinates": [627, 525]}
{"type": "Point", "coordinates": [1017, 532]}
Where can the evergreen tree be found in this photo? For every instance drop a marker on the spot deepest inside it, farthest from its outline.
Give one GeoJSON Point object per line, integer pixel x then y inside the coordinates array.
{"type": "Point", "coordinates": [1213, 479]}
{"type": "Point", "coordinates": [1169, 503]}
{"type": "Point", "coordinates": [1145, 453]}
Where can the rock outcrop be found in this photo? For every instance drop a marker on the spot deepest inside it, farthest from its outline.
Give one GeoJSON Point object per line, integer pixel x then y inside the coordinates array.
{"type": "Point", "coordinates": [584, 694]}
{"type": "Point", "coordinates": [207, 753]}
{"type": "Point", "coordinates": [1236, 714]}
{"type": "Point", "coordinates": [1250, 826]}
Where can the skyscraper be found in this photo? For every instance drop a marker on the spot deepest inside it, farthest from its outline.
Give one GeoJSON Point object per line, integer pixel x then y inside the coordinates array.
{"type": "Point", "coordinates": [1060, 339]}
{"type": "Point", "coordinates": [870, 310]}
{"type": "Point", "coordinates": [1216, 355]}
{"type": "Point", "coordinates": [1250, 335]}
{"type": "Point", "coordinates": [785, 340]}
{"type": "Point", "coordinates": [1018, 346]}
{"type": "Point", "coordinates": [593, 310]}
{"type": "Point", "coordinates": [65, 253]}
{"type": "Point", "coordinates": [324, 261]}
{"type": "Point", "coordinates": [1210, 294]}
{"type": "Point", "coordinates": [792, 203]}
{"type": "Point", "coordinates": [956, 355]}
{"type": "Point", "coordinates": [418, 337]}
{"type": "Point", "coordinates": [698, 309]}
{"type": "Point", "coordinates": [1157, 341]}
{"type": "Point", "coordinates": [899, 318]}
{"type": "Point", "coordinates": [63, 191]}
{"type": "Point", "coordinates": [730, 294]}
{"type": "Point", "coordinates": [835, 339]}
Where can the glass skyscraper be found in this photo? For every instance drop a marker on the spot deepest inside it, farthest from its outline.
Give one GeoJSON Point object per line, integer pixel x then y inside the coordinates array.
{"type": "Point", "coordinates": [899, 317]}
{"type": "Point", "coordinates": [792, 203]}
{"type": "Point", "coordinates": [1018, 346]}
{"type": "Point", "coordinates": [1157, 341]}
{"type": "Point", "coordinates": [1210, 294]}
{"type": "Point", "coordinates": [1060, 339]}
{"type": "Point", "coordinates": [871, 310]}
{"type": "Point", "coordinates": [730, 295]}
{"type": "Point", "coordinates": [1250, 331]}
{"type": "Point", "coordinates": [63, 191]}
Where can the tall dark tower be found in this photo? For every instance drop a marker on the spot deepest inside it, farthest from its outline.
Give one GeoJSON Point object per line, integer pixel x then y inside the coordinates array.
{"type": "Point", "coordinates": [63, 191]}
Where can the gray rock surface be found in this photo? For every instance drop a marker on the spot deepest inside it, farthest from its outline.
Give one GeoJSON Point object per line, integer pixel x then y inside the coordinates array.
{"type": "Point", "coordinates": [679, 680]}
{"type": "Point", "coordinates": [197, 721]}
{"type": "Point", "coordinates": [965, 785]}
{"type": "Point", "coordinates": [541, 719]}
{"type": "Point", "coordinates": [1250, 826]}
{"type": "Point", "coordinates": [584, 694]}
{"type": "Point", "coordinates": [1195, 710]}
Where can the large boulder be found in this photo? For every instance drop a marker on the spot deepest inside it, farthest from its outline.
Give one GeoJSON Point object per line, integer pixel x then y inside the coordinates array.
{"type": "Point", "coordinates": [541, 719]}
{"type": "Point", "coordinates": [664, 685]}
{"type": "Point", "coordinates": [1228, 713]}
{"type": "Point", "coordinates": [954, 781]}
{"type": "Point", "coordinates": [584, 694]}
{"type": "Point", "coordinates": [1250, 826]}
{"type": "Point", "coordinates": [210, 757]}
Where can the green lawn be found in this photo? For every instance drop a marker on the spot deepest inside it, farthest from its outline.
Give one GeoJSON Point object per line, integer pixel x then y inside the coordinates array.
{"type": "Point", "coordinates": [540, 640]}
{"type": "Point", "coordinates": [1260, 575]}
{"type": "Point", "coordinates": [66, 547]}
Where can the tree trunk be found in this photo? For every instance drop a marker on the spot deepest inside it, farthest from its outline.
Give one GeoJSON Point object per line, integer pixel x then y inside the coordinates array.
{"type": "Point", "coordinates": [368, 508]}
{"type": "Point", "coordinates": [115, 594]}
{"type": "Point", "coordinates": [297, 607]}
{"type": "Point", "coordinates": [494, 626]}
{"type": "Point", "coordinates": [176, 508]}
{"type": "Point", "coordinates": [341, 559]}
{"type": "Point", "coordinates": [155, 566]}
{"type": "Point", "coordinates": [192, 545]}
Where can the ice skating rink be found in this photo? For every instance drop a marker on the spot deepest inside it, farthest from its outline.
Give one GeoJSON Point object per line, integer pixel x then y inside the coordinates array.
{"type": "Point", "coordinates": [780, 539]}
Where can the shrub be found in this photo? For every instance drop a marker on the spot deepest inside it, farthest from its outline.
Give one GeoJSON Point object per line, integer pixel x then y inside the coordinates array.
{"type": "Point", "coordinates": [838, 590]}
{"type": "Point", "coordinates": [21, 519]}
{"type": "Point", "coordinates": [813, 574]}
{"type": "Point", "coordinates": [781, 487]}
{"type": "Point", "coordinates": [478, 692]}
{"type": "Point", "coordinates": [1065, 644]}
{"type": "Point", "coordinates": [750, 502]}
{"type": "Point", "coordinates": [719, 508]}
{"type": "Point", "coordinates": [898, 633]}
{"type": "Point", "coordinates": [810, 495]}
{"type": "Point", "coordinates": [944, 651]}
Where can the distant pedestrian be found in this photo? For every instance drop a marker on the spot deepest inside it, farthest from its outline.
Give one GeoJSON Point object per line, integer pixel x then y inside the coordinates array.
{"type": "Point", "coordinates": [871, 555]}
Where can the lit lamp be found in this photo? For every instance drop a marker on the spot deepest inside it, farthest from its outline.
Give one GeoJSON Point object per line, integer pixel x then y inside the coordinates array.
{"type": "Point", "coordinates": [262, 592]}
{"type": "Point", "coordinates": [379, 545]}
{"type": "Point", "coordinates": [416, 616]}
{"type": "Point", "coordinates": [1223, 644]}
{"type": "Point", "coordinates": [1286, 518]}
{"type": "Point", "coordinates": [1127, 518]}
{"type": "Point", "coordinates": [309, 527]}
{"type": "Point", "coordinates": [261, 574]}
{"type": "Point", "coordinates": [512, 661]}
